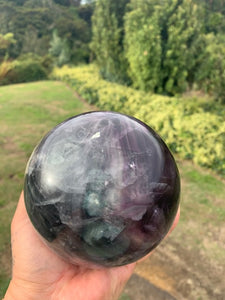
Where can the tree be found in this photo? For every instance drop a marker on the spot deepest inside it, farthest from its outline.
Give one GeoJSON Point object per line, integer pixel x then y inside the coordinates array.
{"type": "Point", "coordinates": [59, 49]}
{"type": "Point", "coordinates": [163, 44]}
{"type": "Point", "coordinates": [143, 45]}
{"type": "Point", "coordinates": [33, 43]}
{"type": "Point", "coordinates": [38, 3]}
{"type": "Point", "coordinates": [211, 73]}
{"type": "Point", "coordinates": [182, 48]}
{"type": "Point", "coordinates": [85, 12]}
{"type": "Point", "coordinates": [68, 2]}
{"type": "Point", "coordinates": [18, 2]}
{"type": "Point", "coordinates": [32, 23]}
{"type": "Point", "coordinates": [108, 39]}
{"type": "Point", "coordinates": [5, 42]}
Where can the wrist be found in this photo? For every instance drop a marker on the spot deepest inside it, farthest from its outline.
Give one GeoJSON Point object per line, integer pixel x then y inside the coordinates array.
{"type": "Point", "coordinates": [18, 290]}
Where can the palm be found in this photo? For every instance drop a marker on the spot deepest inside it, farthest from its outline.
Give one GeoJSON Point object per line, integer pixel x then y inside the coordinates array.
{"type": "Point", "coordinates": [36, 264]}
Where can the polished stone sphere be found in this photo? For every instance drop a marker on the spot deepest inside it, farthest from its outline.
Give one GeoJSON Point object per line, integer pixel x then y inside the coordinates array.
{"type": "Point", "coordinates": [102, 189]}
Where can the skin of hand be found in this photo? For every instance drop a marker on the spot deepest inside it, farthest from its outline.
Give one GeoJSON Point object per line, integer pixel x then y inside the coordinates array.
{"type": "Point", "coordinates": [38, 273]}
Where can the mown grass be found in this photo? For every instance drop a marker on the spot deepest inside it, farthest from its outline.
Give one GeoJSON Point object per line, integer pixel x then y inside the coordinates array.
{"type": "Point", "coordinates": [28, 111]}
{"type": "Point", "coordinates": [204, 194]}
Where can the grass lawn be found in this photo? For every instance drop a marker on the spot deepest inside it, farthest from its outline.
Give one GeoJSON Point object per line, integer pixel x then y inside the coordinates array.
{"type": "Point", "coordinates": [28, 111]}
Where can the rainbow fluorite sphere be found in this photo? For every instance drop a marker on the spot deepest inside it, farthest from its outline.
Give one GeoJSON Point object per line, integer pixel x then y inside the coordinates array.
{"type": "Point", "coordinates": [102, 189]}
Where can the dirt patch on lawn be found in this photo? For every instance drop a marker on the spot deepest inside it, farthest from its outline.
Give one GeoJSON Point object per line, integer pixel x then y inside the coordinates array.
{"type": "Point", "coordinates": [183, 273]}
{"type": "Point", "coordinates": [9, 145]}
{"type": "Point", "coordinates": [139, 288]}
{"type": "Point", "coordinates": [10, 152]}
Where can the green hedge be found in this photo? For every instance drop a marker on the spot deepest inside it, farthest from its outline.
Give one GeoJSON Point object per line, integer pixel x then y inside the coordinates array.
{"type": "Point", "coordinates": [26, 72]}
{"type": "Point", "coordinates": [192, 127]}
{"type": "Point", "coordinates": [27, 68]}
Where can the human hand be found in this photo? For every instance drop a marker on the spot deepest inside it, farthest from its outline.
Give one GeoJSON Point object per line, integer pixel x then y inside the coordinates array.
{"type": "Point", "coordinates": [38, 273]}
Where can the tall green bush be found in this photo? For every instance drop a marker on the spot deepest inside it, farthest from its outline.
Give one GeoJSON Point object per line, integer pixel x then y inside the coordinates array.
{"type": "Point", "coordinates": [163, 44]}
{"type": "Point", "coordinates": [211, 74]}
{"type": "Point", "coordinates": [26, 72]}
{"type": "Point", "coordinates": [28, 68]}
{"type": "Point", "coordinates": [183, 47]}
{"type": "Point", "coordinates": [143, 46]}
{"type": "Point", "coordinates": [108, 39]}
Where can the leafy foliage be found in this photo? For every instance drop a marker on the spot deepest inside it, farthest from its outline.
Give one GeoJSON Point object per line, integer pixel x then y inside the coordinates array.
{"type": "Point", "coordinates": [5, 68]}
{"type": "Point", "coordinates": [107, 41]}
{"type": "Point", "coordinates": [182, 48]}
{"type": "Point", "coordinates": [168, 47]}
{"type": "Point", "coordinates": [143, 46]}
{"type": "Point", "coordinates": [59, 50]}
{"type": "Point", "coordinates": [163, 43]}
{"type": "Point", "coordinates": [27, 68]}
{"type": "Point", "coordinates": [211, 74]}
{"type": "Point", "coordinates": [5, 41]}
{"type": "Point", "coordinates": [32, 23]}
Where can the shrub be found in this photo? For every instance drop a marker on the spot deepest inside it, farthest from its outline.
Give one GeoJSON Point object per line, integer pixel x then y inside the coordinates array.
{"type": "Point", "coordinates": [27, 68]}
{"type": "Point", "coordinates": [191, 127]}
{"type": "Point", "coordinates": [5, 68]}
{"type": "Point", "coordinates": [25, 71]}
